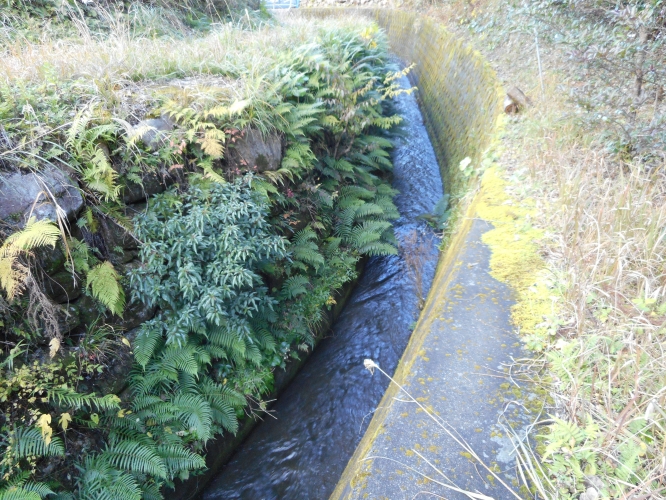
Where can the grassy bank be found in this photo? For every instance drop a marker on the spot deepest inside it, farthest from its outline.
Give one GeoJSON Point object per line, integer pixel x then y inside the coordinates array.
{"type": "Point", "coordinates": [223, 275]}
{"type": "Point", "coordinates": [581, 186]}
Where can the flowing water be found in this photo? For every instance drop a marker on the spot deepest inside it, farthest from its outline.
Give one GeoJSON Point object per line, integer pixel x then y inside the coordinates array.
{"type": "Point", "coordinates": [323, 413]}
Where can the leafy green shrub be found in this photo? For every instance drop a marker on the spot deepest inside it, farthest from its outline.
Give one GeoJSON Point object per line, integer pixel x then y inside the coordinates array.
{"type": "Point", "coordinates": [620, 48]}
{"type": "Point", "coordinates": [202, 252]}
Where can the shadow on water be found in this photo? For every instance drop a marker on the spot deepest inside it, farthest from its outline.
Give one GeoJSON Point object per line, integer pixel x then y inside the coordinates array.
{"type": "Point", "coordinates": [322, 415]}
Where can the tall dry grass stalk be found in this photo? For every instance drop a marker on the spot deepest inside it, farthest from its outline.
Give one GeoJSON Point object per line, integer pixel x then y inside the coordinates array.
{"type": "Point", "coordinates": [442, 424]}
{"type": "Point", "coordinates": [607, 224]}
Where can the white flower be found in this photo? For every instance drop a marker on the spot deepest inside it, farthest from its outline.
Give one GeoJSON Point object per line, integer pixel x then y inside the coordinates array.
{"type": "Point", "coordinates": [370, 365]}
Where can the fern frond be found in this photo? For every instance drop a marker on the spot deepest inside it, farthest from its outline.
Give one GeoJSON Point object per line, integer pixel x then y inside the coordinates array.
{"type": "Point", "coordinates": [305, 249]}
{"type": "Point", "coordinates": [18, 493]}
{"type": "Point", "coordinates": [211, 143]}
{"type": "Point", "coordinates": [148, 339]}
{"type": "Point", "coordinates": [102, 481]}
{"type": "Point", "coordinates": [132, 456]}
{"type": "Point", "coordinates": [12, 277]}
{"type": "Point", "coordinates": [224, 336]}
{"type": "Point", "coordinates": [27, 441]}
{"type": "Point", "coordinates": [367, 210]}
{"type": "Point", "coordinates": [177, 459]}
{"type": "Point", "coordinates": [195, 413]}
{"type": "Point", "coordinates": [41, 489]}
{"type": "Point", "coordinates": [35, 234]}
{"type": "Point", "coordinates": [179, 358]}
{"type": "Point", "coordinates": [295, 286]}
{"type": "Point", "coordinates": [69, 398]}
{"type": "Point", "coordinates": [265, 339]}
{"type": "Point", "coordinates": [105, 284]}
{"type": "Point", "coordinates": [223, 402]}
{"type": "Point", "coordinates": [378, 248]}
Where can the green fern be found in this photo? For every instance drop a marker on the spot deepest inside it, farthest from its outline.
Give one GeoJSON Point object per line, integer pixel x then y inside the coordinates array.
{"type": "Point", "coordinates": [104, 282]}
{"type": "Point", "coordinates": [177, 459]}
{"type": "Point", "coordinates": [84, 144]}
{"type": "Point", "coordinates": [18, 493]}
{"type": "Point", "coordinates": [149, 338]}
{"type": "Point", "coordinates": [36, 234]}
{"type": "Point", "coordinates": [195, 413]}
{"type": "Point", "coordinates": [132, 456]}
{"type": "Point", "coordinates": [21, 487]}
{"type": "Point", "coordinates": [27, 442]}
{"type": "Point", "coordinates": [69, 398]}
{"type": "Point", "coordinates": [304, 248]}
{"type": "Point", "coordinates": [100, 480]}
{"type": "Point", "coordinates": [295, 286]}
{"type": "Point", "coordinates": [223, 402]}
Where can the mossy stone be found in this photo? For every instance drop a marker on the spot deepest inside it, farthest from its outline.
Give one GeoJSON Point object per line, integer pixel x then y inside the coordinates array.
{"type": "Point", "coordinates": [62, 287]}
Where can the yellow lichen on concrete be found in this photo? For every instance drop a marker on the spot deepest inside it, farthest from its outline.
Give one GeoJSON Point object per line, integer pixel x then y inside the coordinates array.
{"type": "Point", "coordinates": [515, 258]}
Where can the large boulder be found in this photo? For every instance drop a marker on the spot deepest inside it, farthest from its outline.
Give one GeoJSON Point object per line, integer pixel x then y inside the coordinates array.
{"type": "Point", "coordinates": [151, 183]}
{"type": "Point", "coordinates": [120, 244]}
{"type": "Point", "coordinates": [253, 149]}
{"type": "Point", "coordinates": [68, 317]}
{"type": "Point", "coordinates": [62, 287]}
{"type": "Point", "coordinates": [36, 194]}
{"type": "Point", "coordinates": [154, 132]}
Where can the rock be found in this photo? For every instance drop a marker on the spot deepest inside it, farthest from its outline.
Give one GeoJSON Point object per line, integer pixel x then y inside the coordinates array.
{"type": "Point", "coordinates": [120, 244]}
{"type": "Point", "coordinates": [515, 100]}
{"type": "Point", "coordinates": [68, 318]}
{"type": "Point", "coordinates": [51, 260]}
{"type": "Point", "coordinates": [252, 149]}
{"type": "Point", "coordinates": [153, 183]}
{"type": "Point", "coordinates": [510, 107]}
{"type": "Point", "coordinates": [115, 377]}
{"type": "Point", "coordinates": [32, 193]}
{"type": "Point", "coordinates": [590, 494]}
{"type": "Point", "coordinates": [153, 132]}
{"type": "Point", "coordinates": [136, 313]}
{"type": "Point", "coordinates": [89, 310]}
{"type": "Point", "coordinates": [594, 482]}
{"type": "Point", "coordinates": [62, 287]}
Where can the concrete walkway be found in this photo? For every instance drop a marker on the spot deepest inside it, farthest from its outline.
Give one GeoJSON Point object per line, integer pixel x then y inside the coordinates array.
{"type": "Point", "coordinates": [457, 367]}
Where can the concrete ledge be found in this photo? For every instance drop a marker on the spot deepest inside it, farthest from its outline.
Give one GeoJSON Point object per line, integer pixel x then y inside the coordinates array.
{"type": "Point", "coordinates": [456, 366]}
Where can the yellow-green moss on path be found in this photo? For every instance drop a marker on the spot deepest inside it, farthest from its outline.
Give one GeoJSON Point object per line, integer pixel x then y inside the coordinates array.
{"type": "Point", "coordinates": [515, 256]}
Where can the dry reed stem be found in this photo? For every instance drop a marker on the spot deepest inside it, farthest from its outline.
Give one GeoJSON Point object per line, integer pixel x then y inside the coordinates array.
{"type": "Point", "coordinates": [370, 365]}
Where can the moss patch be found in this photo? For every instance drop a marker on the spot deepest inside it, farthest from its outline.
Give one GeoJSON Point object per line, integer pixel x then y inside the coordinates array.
{"type": "Point", "coordinates": [515, 256]}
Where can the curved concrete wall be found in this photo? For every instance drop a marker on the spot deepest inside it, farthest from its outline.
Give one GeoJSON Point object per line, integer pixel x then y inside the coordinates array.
{"type": "Point", "coordinates": [460, 100]}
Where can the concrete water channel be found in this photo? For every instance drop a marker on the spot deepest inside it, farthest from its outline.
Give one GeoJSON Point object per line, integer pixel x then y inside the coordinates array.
{"type": "Point", "coordinates": [341, 432]}
{"type": "Point", "coordinates": [320, 418]}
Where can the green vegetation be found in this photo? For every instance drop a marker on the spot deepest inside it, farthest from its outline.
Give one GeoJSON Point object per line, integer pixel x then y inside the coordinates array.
{"type": "Point", "coordinates": [239, 261]}
{"type": "Point", "coordinates": [32, 21]}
